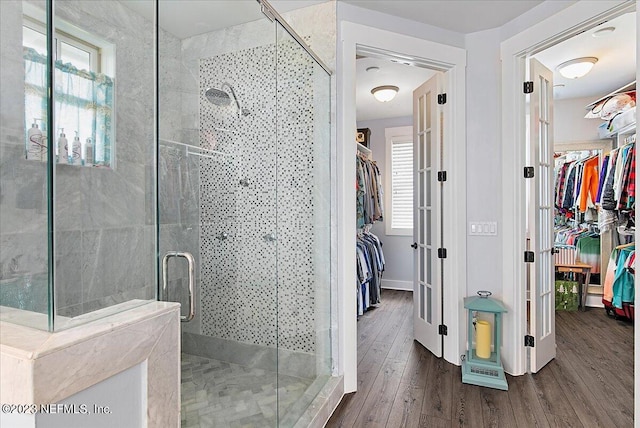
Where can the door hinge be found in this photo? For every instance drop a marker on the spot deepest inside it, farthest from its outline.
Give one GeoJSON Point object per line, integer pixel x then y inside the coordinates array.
{"type": "Point", "coordinates": [528, 256]}
{"type": "Point", "coordinates": [442, 98]}
{"type": "Point", "coordinates": [528, 87]}
{"type": "Point", "coordinates": [442, 253]}
{"type": "Point", "coordinates": [442, 330]}
{"type": "Point", "coordinates": [529, 341]}
{"type": "Point", "coordinates": [442, 175]}
{"type": "Point", "coordinates": [529, 172]}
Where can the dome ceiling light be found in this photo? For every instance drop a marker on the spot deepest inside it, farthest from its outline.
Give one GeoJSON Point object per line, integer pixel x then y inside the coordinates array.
{"type": "Point", "coordinates": [576, 68]}
{"type": "Point", "coordinates": [603, 32]}
{"type": "Point", "coordinates": [385, 93]}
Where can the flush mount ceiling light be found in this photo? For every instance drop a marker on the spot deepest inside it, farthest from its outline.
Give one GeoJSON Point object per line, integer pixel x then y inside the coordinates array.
{"type": "Point", "coordinates": [385, 93]}
{"type": "Point", "coordinates": [576, 67]}
{"type": "Point", "coordinates": [603, 32]}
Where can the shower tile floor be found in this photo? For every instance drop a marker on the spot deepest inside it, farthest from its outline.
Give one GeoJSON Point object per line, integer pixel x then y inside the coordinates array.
{"type": "Point", "coordinates": [220, 394]}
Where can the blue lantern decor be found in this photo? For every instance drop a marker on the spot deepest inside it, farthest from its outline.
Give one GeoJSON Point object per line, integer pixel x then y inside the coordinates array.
{"type": "Point", "coordinates": [482, 366]}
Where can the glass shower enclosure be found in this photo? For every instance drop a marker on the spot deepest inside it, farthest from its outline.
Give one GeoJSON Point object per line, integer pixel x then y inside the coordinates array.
{"type": "Point", "coordinates": [244, 167]}
{"type": "Point", "coordinates": [143, 160]}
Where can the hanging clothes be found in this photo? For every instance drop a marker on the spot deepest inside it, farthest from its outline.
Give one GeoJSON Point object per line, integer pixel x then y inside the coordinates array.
{"type": "Point", "coordinates": [618, 191]}
{"type": "Point", "coordinates": [619, 281]}
{"type": "Point", "coordinates": [576, 185]}
{"type": "Point", "coordinates": [369, 193]}
{"type": "Point", "coordinates": [370, 264]}
{"type": "Point", "coordinates": [580, 244]}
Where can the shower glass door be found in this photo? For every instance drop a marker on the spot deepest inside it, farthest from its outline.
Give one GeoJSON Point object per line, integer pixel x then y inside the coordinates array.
{"type": "Point", "coordinates": [217, 202]}
{"type": "Point", "coordinates": [303, 212]}
{"type": "Point", "coordinates": [244, 190]}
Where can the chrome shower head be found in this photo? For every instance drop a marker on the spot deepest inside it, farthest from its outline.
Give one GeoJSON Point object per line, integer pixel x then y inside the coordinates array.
{"type": "Point", "coordinates": [218, 97]}
{"type": "Point", "coordinates": [223, 99]}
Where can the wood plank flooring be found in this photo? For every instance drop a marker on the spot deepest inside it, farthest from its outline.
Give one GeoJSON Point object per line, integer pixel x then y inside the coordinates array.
{"type": "Point", "coordinates": [401, 384]}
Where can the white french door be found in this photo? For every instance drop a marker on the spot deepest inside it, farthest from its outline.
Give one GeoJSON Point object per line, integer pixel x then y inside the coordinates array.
{"type": "Point", "coordinates": [428, 119]}
{"type": "Point", "coordinates": [540, 218]}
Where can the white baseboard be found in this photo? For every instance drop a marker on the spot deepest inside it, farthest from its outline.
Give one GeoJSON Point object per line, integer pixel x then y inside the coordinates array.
{"type": "Point", "coordinates": [392, 284]}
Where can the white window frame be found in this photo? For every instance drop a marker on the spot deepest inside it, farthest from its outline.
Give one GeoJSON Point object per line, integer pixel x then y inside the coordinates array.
{"type": "Point", "coordinates": [400, 133]}
{"type": "Point", "coordinates": [63, 37]}
{"type": "Point", "coordinates": [102, 52]}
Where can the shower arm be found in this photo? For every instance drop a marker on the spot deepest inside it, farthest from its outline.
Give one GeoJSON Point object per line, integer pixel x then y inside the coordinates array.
{"type": "Point", "coordinates": [235, 98]}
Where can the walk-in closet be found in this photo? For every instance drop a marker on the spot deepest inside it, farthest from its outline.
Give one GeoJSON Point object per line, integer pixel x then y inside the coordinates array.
{"type": "Point", "coordinates": [594, 198]}
{"type": "Point", "coordinates": [594, 170]}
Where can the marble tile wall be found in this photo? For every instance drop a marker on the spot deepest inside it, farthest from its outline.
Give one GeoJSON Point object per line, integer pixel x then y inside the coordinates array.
{"type": "Point", "coordinates": [104, 240]}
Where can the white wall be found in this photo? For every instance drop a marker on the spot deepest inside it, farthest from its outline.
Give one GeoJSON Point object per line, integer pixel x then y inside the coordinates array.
{"type": "Point", "coordinates": [569, 122]}
{"type": "Point", "coordinates": [120, 400]}
{"type": "Point", "coordinates": [352, 34]}
{"type": "Point", "coordinates": [484, 139]}
{"type": "Point", "coordinates": [397, 251]}
{"type": "Point", "coordinates": [484, 253]}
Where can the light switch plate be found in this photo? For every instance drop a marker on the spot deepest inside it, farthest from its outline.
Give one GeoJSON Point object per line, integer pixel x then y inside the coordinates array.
{"type": "Point", "coordinates": [483, 228]}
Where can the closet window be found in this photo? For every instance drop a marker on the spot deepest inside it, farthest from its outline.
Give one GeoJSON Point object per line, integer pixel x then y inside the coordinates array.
{"type": "Point", "coordinates": [399, 172]}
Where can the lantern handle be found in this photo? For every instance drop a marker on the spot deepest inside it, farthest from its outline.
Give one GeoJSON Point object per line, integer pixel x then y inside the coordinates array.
{"type": "Point", "coordinates": [484, 293]}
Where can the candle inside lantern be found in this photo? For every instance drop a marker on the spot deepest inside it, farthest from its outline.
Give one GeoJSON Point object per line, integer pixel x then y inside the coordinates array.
{"type": "Point", "coordinates": [483, 339]}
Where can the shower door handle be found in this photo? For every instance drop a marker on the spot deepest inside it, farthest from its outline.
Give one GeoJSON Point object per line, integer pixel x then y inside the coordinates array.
{"type": "Point", "coordinates": [165, 281]}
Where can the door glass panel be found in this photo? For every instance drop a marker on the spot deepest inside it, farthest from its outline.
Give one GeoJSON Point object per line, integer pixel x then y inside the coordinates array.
{"type": "Point", "coordinates": [422, 300]}
{"type": "Point", "coordinates": [421, 193]}
{"type": "Point", "coordinates": [427, 124]}
{"type": "Point", "coordinates": [427, 221]}
{"type": "Point", "coordinates": [427, 149]}
{"type": "Point", "coordinates": [428, 263]}
{"type": "Point", "coordinates": [421, 149]}
{"type": "Point", "coordinates": [421, 112]}
{"type": "Point", "coordinates": [429, 305]}
{"type": "Point", "coordinates": [427, 188]}
{"type": "Point", "coordinates": [421, 237]}
{"type": "Point", "coordinates": [421, 261]}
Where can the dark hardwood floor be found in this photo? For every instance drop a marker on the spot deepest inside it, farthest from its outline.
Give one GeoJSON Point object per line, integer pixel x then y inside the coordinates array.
{"type": "Point", "coordinates": [400, 384]}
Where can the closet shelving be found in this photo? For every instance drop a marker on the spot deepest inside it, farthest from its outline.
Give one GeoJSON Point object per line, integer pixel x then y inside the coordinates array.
{"type": "Point", "coordinates": [363, 149]}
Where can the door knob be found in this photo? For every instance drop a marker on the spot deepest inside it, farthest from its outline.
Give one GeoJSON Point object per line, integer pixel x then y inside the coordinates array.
{"type": "Point", "coordinates": [414, 245]}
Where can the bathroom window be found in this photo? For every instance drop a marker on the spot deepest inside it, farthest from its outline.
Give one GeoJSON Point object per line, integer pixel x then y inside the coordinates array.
{"type": "Point", "coordinates": [83, 94]}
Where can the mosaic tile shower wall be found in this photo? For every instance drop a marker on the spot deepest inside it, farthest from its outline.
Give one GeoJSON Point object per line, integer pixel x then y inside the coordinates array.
{"type": "Point", "coordinates": [254, 187]}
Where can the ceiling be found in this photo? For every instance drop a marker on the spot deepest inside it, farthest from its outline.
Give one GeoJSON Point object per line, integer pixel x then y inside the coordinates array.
{"type": "Point", "coordinates": [616, 53]}
{"type": "Point", "coordinates": [462, 16]}
{"type": "Point", "coordinates": [188, 18]}
{"type": "Point", "coordinates": [616, 67]}
{"type": "Point", "coordinates": [405, 77]}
